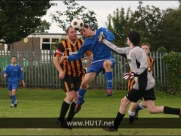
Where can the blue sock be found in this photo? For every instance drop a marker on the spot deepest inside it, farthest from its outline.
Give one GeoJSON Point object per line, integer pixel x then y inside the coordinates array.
{"type": "Point", "coordinates": [13, 99]}
{"type": "Point", "coordinates": [130, 116]}
{"type": "Point", "coordinates": [81, 96]}
{"type": "Point", "coordinates": [138, 107]}
{"type": "Point", "coordinates": [109, 80]}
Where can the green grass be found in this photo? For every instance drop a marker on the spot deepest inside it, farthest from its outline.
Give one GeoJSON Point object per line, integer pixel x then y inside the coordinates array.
{"type": "Point", "coordinates": [47, 103]}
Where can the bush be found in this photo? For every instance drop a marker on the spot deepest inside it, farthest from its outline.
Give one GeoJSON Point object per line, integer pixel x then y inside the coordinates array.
{"type": "Point", "coordinates": [173, 71]}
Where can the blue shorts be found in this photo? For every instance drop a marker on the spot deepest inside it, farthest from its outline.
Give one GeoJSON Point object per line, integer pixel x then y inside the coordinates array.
{"type": "Point", "coordinates": [98, 66]}
{"type": "Point", "coordinates": [12, 85]}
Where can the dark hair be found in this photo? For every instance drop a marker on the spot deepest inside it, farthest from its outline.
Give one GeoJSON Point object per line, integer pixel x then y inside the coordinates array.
{"type": "Point", "coordinates": [86, 26]}
{"type": "Point", "coordinates": [134, 37]}
{"type": "Point", "coordinates": [13, 57]}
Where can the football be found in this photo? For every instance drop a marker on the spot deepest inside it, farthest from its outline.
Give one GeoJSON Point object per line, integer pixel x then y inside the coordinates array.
{"type": "Point", "coordinates": [77, 23]}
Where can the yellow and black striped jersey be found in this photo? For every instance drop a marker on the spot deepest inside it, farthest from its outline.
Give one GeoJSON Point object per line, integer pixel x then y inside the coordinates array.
{"type": "Point", "coordinates": [67, 48]}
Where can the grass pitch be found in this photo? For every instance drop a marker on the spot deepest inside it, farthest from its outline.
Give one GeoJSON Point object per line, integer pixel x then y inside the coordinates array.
{"type": "Point", "coordinates": [38, 103]}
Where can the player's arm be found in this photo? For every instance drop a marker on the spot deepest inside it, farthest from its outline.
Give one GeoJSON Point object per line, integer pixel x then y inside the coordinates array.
{"type": "Point", "coordinates": [78, 55]}
{"type": "Point", "coordinates": [6, 72]}
{"type": "Point", "coordinates": [90, 57]}
{"type": "Point", "coordinates": [58, 54]}
{"type": "Point", "coordinates": [152, 66]}
{"type": "Point", "coordinates": [116, 49]}
{"type": "Point", "coordinates": [108, 35]}
{"type": "Point", "coordinates": [20, 74]}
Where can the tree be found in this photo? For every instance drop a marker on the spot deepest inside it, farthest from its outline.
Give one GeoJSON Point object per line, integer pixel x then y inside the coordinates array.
{"type": "Point", "coordinates": [44, 25]}
{"type": "Point", "coordinates": [19, 18]}
{"type": "Point", "coordinates": [179, 3]}
{"type": "Point", "coordinates": [64, 18]}
{"type": "Point", "coordinates": [171, 30]}
{"type": "Point", "coordinates": [148, 21]}
{"type": "Point", "coordinates": [119, 25]}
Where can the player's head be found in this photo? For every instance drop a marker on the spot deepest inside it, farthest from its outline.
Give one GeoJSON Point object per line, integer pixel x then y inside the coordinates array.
{"type": "Point", "coordinates": [86, 31]}
{"type": "Point", "coordinates": [71, 33]}
{"type": "Point", "coordinates": [13, 60]}
{"type": "Point", "coordinates": [146, 47]}
{"type": "Point", "coordinates": [133, 38]}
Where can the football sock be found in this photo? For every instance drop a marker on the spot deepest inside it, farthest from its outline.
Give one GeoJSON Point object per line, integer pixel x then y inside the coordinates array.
{"type": "Point", "coordinates": [169, 110]}
{"type": "Point", "coordinates": [109, 80]}
{"type": "Point", "coordinates": [13, 99]}
{"type": "Point", "coordinates": [64, 109]}
{"type": "Point", "coordinates": [71, 111]}
{"type": "Point", "coordinates": [139, 107]}
{"type": "Point", "coordinates": [118, 120]}
{"type": "Point", "coordinates": [131, 114]}
{"type": "Point", "coordinates": [81, 96]}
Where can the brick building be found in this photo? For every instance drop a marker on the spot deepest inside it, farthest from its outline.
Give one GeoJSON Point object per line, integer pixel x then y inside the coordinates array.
{"type": "Point", "coordinates": [32, 49]}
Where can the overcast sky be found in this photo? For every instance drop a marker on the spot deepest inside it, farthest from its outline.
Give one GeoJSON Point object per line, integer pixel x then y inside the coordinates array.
{"type": "Point", "coordinates": [103, 9]}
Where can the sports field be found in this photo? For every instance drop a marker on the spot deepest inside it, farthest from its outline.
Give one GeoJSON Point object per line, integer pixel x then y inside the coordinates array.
{"type": "Point", "coordinates": [45, 103]}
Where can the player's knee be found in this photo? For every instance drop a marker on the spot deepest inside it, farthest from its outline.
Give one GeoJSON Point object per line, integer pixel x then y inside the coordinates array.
{"type": "Point", "coordinates": [84, 85]}
{"type": "Point", "coordinates": [69, 98]}
{"type": "Point", "coordinates": [133, 106]}
{"type": "Point", "coordinates": [106, 64]}
{"type": "Point", "coordinates": [124, 102]}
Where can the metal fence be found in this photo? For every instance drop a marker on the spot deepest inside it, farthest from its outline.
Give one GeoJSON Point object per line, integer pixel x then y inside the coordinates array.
{"type": "Point", "coordinates": [39, 71]}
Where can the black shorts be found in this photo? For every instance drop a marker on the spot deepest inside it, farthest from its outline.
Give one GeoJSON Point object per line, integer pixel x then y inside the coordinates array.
{"type": "Point", "coordinates": [134, 95]}
{"type": "Point", "coordinates": [70, 83]}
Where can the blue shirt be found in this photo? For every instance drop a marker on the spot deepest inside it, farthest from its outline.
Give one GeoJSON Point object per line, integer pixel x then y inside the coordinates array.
{"type": "Point", "coordinates": [100, 51]}
{"type": "Point", "coordinates": [13, 73]}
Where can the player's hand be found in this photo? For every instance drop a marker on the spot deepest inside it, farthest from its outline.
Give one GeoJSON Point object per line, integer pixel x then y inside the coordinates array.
{"type": "Point", "coordinates": [101, 37]}
{"type": "Point", "coordinates": [5, 75]}
{"type": "Point", "coordinates": [64, 58]}
{"type": "Point", "coordinates": [61, 75]}
{"type": "Point", "coordinates": [24, 85]}
{"type": "Point", "coordinates": [128, 76]}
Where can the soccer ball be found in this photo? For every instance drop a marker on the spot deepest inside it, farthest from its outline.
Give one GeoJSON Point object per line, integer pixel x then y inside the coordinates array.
{"type": "Point", "coordinates": [77, 23]}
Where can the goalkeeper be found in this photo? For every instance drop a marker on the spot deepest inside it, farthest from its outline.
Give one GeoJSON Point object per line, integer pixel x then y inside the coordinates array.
{"type": "Point", "coordinates": [144, 81]}
{"type": "Point", "coordinates": [134, 107]}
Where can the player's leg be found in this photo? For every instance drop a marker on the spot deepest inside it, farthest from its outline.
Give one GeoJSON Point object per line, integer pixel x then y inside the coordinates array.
{"type": "Point", "coordinates": [131, 111]}
{"type": "Point", "coordinates": [77, 81]}
{"type": "Point", "coordinates": [120, 115]}
{"type": "Point", "coordinates": [10, 94]}
{"type": "Point", "coordinates": [13, 94]}
{"type": "Point", "coordinates": [82, 90]}
{"type": "Point", "coordinates": [161, 109]}
{"type": "Point", "coordinates": [69, 90]}
{"type": "Point", "coordinates": [107, 65]}
{"type": "Point", "coordinates": [133, 95]}
{"type": "Point", "coordinates": [149, 98]}
{"type": "Point", "coordinates": [139, 107]}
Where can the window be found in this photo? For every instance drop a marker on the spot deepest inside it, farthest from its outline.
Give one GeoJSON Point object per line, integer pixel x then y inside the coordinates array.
{"type": "Point", "coordinates": [46, 39]}
{"type": "Point", "coordinates": [55, 39]}
{"type": "Point", "coordinates": [8, 47]}
{"type": "Point", "coordinates": [47, 42]}
{"type": "Point", "coordinates": [45, 46]}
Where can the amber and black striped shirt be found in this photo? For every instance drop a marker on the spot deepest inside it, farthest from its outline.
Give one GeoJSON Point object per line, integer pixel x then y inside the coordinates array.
{"type": "Point", "coordinates": [66, 48]}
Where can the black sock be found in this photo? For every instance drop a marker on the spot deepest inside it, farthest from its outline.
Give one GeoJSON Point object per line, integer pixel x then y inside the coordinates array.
{"type": "Point", "coordinates": [118, 120]}
{"type": "Point", "coordinates": [169, 110]}
{"type": "Point", "coordinates": [64, 109]}
{"type": "Point", "coordinates": [71, 112]}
